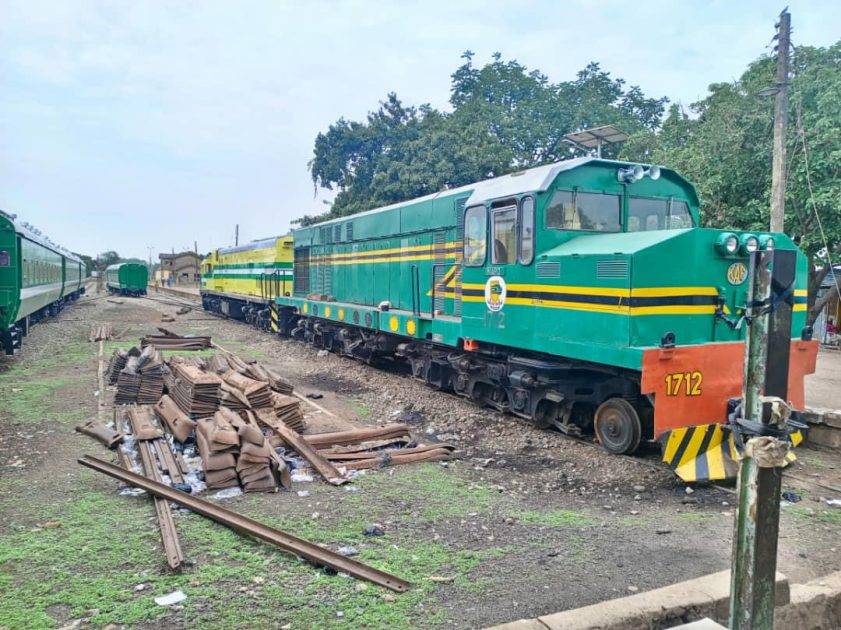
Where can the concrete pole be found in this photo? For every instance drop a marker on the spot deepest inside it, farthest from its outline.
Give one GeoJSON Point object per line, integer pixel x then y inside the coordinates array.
{"type": "Point", "coordinates": [778, 173]}
{"type": "Point", "coordinates": [754, 566]}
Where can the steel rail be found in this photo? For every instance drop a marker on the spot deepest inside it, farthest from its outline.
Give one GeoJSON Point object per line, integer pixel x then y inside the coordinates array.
{"type": "Point", "coordinates": [308, 452]}
{"type": "Point", "coordinates": [169, 535]}
{"type": "Point", "coordinates": [297, 546]}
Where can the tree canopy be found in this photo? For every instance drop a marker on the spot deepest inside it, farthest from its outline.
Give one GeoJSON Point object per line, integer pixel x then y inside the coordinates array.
{"type": "Point", "coordinates": [725, 148]}
{"type": "Point", "coordinates": [505, 117]}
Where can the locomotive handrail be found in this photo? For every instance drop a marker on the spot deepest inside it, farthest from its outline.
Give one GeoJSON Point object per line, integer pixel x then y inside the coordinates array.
{"type": "Point", "coordinates": [415, 275]}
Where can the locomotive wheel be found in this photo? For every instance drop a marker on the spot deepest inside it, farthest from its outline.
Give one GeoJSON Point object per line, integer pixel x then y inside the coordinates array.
{"type": "Point", "coordinates": [617, 426]}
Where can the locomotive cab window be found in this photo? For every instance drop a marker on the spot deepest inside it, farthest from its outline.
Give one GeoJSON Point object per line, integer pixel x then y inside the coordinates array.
{"type": "Point", "coordinates": [645, 214]}
{"type": "Point", "coordinates": [5, 259]}
{"type": "Point", "coordinates": [475, 236]}
{"type": "Point", "coordinates": [592, 212]}
{"type": "Point", "coordinates": [505, 235]}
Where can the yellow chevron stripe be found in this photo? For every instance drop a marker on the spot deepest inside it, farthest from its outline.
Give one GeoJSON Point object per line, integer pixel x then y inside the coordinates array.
{"type": "Point", "coordinates": [799, 307]}
{"type": "Point", "coordinates": [672, 442]}
{"type": "Point", "coordinates": [801, 292]}
{"type": "Point", "coordinates": [715, 456]}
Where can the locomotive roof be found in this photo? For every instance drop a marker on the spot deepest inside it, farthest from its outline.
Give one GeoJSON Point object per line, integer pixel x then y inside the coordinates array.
{"type": "Point", "coordinates": [257, 244]}
{"type": "Point", "coordinates": [536, 179]}
{"type": "Point", "coordinates": [23, 228]}
{"type": "Point", "coordinates": [118, 265]}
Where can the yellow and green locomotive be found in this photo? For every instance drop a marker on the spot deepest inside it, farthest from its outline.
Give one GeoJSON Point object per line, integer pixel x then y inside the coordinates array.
{"type": "Point", "coordinates": [37, 278]}
{"type": "Point", "coordinates": [582, 294]}
{"type": "Point", "coordinates": [240, 282]}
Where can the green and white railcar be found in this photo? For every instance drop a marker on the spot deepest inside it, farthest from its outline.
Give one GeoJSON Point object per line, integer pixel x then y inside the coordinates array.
{"type": "Point", "coordinates": [37, 278]}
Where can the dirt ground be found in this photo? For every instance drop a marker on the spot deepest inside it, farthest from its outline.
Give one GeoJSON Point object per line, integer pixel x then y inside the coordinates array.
{"type": "Point", "coordinates": [523, 522]}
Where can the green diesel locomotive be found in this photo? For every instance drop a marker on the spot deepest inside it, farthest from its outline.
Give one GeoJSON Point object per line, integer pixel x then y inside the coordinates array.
{"type": "Point", "coordinates": [582, 294]}
{"type": "Point", "coordinates": [127, 279]}
{"type": "Point", "coordinates": [37, 277]}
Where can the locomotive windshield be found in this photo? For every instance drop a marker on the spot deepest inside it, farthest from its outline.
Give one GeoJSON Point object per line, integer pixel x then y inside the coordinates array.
{"type": "Point", "coordinates": [594, 212]}
{"type": "Point", "coordinates": [645, 214]}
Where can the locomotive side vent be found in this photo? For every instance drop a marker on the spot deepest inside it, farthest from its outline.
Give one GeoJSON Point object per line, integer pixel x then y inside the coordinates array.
{"type": "Point", "coordinates": [349, 231]}
{"type": "Point", "coordinates": [612, 269]}
{"type": "Point", "coordinates": [337, 233]}
{"type": "Point", "coordinates": [548, 269]}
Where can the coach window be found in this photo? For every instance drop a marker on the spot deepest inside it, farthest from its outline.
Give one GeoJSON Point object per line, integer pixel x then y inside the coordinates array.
{"type": "Point", "coordinates": [5, 259]}
{"type": "Point", "coordinates": [475, 236]}
{"type": "Point", "coordinates": [574, 210]}
{"type": "Point", "coordinates": [505, 235]}
{"type": "Point", "coordinates": [526, 254]}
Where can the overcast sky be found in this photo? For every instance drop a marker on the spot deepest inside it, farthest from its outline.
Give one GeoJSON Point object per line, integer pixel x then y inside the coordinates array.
{"type": "Point", "coordinates": [128, 125]}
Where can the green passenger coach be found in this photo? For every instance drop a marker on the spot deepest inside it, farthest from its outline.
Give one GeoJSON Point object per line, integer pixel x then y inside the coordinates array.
{"type": "Point", "coordinates": [127, 279]}
{"type": "Point", "coordinates": [569, 294]}
{"type": "Point", "coordinates": [37, 277]}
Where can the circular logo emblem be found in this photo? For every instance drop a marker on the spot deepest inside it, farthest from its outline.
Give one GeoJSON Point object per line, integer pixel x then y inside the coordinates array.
{"type": "Point", "coordinates": [736, 273]}
{"type": "Point", "coordinates": [495, 292]}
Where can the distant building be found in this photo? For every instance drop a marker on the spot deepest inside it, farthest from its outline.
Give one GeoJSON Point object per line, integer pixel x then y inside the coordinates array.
{"type": "Point", "coordinates": [181, 268]}
{"type": "Point", "coordinates": [827, 325]}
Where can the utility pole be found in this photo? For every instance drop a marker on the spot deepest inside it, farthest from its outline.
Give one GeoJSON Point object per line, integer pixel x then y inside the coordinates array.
{"type": "Point", "coordinates": [764, 428]}
{"type": "Point", "coordinates": [236, 236]}
{"type": "Point", "coordinates": [778, 173]}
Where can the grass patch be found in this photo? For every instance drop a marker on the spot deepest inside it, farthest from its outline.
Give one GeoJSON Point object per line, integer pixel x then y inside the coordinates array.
{"type": "Point", "coordinates": [30, 388]}
{"type": "Point", "coordinates": [435, 492]}
{"type": "Point", "coordinates": [554, 518]}
{"type": "Point", "coordinates": [360, 409]}
{"type": "Point", "coordinates": [88, 554]}
{"type": "Point", "coordinates": [831, 516]}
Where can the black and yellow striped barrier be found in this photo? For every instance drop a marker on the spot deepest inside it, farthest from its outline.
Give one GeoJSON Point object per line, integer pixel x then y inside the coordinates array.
{"type": "Point", "coordinates": [273, 315]}
{"type": "Point", "coordinates": [708, 452]}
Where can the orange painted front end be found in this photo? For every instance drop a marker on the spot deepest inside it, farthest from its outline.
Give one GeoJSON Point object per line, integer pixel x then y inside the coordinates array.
{"type": "Point", "coordinates": [692, 384]}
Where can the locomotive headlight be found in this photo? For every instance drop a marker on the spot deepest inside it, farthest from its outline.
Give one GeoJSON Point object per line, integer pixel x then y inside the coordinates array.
{"type": "Point", "coordinates": [727, 243]}
{"type": "Point", "coordinates": [749, 243]}
{"type": "Point", "coordinates": [767, 242]}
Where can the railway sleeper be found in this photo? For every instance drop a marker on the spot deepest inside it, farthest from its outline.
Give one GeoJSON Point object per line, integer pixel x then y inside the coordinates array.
{"type": "Point", "coordinates": [573, 397]}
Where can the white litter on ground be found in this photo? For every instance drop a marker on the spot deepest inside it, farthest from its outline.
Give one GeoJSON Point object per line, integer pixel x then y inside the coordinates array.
{"type": "Point", "coordinates": [227, 493]}
{"type": "Point", "coordinates": [173, 598]}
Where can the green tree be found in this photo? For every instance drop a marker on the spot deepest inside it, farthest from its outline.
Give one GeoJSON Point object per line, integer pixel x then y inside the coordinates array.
{"type": "Point", "coordinates": [725, 149]}
{"type": "Point", "coordinates": [106, 259]}
{"type": "Point", "coordinates": [504, 117]}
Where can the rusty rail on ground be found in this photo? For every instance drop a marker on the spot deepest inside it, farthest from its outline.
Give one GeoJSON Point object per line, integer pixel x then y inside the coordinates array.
{"type": "Point", "coordinates": [243, 524]}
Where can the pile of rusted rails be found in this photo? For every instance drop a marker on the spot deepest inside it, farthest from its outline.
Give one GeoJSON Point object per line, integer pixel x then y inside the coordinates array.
{"type": "Point", "coordinates": [176, 342]}
{"type": "Point", "coordinates": [101, 332]}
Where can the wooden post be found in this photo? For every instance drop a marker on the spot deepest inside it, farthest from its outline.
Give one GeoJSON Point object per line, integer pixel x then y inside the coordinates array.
{"type": "Point", "coordinates": [778, 174]}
